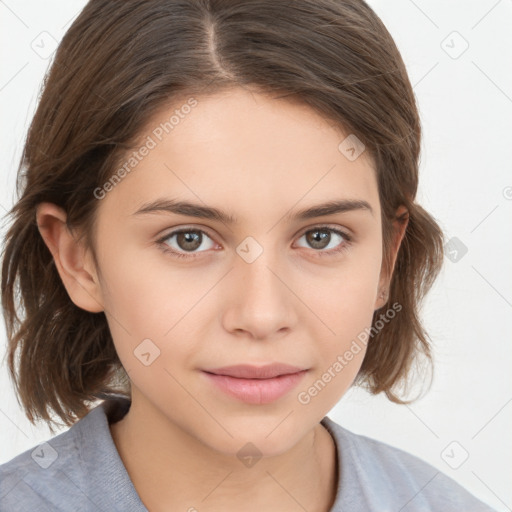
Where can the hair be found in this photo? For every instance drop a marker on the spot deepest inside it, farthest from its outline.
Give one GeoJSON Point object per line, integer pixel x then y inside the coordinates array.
{"type": "Point", "coordinates": [122, 62]}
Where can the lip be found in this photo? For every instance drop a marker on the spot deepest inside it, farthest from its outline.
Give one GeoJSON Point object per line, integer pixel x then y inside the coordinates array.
{"type": "Point", "coordinates": [248, 371]}
{"type": "Point", "coordinates": [256, 385]}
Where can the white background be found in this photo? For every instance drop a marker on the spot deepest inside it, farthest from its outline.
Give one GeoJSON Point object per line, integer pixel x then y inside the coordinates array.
{"type": "Point", "coordinates": [466, 109]}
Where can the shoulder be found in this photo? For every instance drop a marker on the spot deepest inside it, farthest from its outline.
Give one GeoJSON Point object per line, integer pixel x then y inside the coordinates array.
{"type": "Point", "coordinates": [32, 478]}
{"type": "Point", "coordinates": [382, 477]}
{"type": "Point", "coordinates": [60, 474]}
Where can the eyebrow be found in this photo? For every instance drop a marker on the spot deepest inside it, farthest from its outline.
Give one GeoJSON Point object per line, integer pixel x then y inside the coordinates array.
{"type": "Point", "coordinates": [164, 205]}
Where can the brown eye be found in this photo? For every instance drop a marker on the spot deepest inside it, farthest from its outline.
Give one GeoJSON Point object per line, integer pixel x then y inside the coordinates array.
{"type": "Point", "coordinates": [318, 238]}
{"type": "Point", "coordinates": [186, 241]}
{"type": "Point", "coordinates": [322, 237]}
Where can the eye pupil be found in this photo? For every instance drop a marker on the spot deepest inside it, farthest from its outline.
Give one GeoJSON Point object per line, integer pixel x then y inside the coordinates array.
{"type": "Point", "coordinates": [184, 239]}
{"type": "Point", "coordinates": [318, 241]}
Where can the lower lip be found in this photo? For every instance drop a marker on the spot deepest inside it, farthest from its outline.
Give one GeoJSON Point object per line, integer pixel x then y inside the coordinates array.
{"type": "Point", "coordinates": [257, 391]}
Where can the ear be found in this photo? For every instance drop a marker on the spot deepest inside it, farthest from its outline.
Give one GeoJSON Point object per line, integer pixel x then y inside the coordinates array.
{"type": "Point", "coordinates": [399, 227]}
{"type": "Point", "coordinates": [74, 263]}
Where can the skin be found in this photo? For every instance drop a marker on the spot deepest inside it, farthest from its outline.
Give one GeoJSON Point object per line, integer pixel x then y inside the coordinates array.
{"type": "Point", "coordinates": [180, 439]}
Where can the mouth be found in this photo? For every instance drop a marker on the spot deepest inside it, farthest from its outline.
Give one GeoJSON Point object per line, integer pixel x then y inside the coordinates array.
{"type": "Point", "coordinates": [256, 385]}
{"type": "Point", "coordinates": [247, 371]}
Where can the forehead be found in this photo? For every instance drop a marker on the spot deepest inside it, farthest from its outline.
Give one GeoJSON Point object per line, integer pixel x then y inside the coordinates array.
{"type": "Point", "coordinates": [247, 150]}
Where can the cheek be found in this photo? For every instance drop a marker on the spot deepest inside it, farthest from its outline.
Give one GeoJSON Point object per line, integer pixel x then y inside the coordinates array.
{"type": "Point", "coordinates": [344, 306]}
{"type": "Point", "coordinates": [148, 294]}
{"type": "Point", "coordinates": [340, 346]}
{"type": "Point", "coordinates": [152, 306]}
{"type": "Point", "coordinates": [343, 338]}
{"type": "Point", "coordinates": [345, 298]}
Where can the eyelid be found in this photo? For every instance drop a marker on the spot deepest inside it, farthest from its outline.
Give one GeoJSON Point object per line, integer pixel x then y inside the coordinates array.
{"type": "Point", "coordinates": [345, 231]}
{"type": "Point", "coordinates": [186, 228]}
{"type": "Point", "coordinates": [335, 227]}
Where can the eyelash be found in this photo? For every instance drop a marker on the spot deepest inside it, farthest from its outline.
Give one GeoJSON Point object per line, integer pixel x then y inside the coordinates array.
{"type": "Point", "coordinates": [333, 252]}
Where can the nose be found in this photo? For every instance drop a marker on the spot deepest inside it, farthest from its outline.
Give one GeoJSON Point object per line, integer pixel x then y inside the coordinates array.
{"type": "Point", "coordinates": [261, 302]}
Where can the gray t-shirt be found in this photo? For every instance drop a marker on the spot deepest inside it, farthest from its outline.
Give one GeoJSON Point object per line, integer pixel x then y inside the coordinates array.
{"type": "Point", "coordinates": [80, 470]}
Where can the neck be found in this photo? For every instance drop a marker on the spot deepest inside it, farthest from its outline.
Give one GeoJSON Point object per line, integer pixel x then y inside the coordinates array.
{"type": "Point", "coordinates": [173, 470]}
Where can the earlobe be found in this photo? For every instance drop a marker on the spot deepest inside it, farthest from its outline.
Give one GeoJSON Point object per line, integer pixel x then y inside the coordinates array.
{"type": "Point", "coordinates": [69, 257]}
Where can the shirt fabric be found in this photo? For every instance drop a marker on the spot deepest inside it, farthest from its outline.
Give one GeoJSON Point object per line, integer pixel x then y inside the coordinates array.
{"type": "Point", "coordinates": [80, 470]}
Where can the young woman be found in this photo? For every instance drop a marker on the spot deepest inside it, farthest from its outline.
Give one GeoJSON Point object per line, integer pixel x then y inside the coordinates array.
{"type": "Point", "coordinates": [217, 236]}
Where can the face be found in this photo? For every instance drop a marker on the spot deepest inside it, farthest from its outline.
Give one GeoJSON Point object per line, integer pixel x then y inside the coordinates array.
{"type": "Point", "coordinates": [185, 293]}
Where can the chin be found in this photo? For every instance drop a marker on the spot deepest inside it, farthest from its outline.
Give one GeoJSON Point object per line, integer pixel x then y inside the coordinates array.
{"type": "Point", "coordinates": [254, 441]}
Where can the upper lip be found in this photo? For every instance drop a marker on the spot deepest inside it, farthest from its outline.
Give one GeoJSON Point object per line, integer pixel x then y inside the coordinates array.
{"type": "Point", "coordinates": [247, 371]}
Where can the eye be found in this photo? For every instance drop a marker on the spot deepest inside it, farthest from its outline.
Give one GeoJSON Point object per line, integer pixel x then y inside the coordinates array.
{"type": "Point", "coordinates": [320, 237]}
{"type": "Point", "coordinates": [187, 240]}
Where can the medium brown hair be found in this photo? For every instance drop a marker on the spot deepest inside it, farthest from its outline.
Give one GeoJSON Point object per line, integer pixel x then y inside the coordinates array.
{"type": "Point", "coordinates": [121, 62]}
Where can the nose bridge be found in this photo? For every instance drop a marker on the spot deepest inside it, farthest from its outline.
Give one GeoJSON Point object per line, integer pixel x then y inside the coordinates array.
{"type": "Point", "coordinates": [257, 268]}
{"type": "Point", "coordinates": [262, 303]}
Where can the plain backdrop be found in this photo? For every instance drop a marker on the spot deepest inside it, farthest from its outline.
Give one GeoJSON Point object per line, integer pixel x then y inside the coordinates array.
{"type": "Point", "coordinates": [459, 58]}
